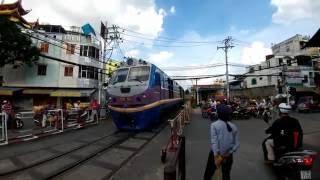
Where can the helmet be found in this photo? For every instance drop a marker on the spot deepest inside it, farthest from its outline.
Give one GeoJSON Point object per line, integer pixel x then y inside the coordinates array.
{"type": "Point", "coordinates": [284, 108]}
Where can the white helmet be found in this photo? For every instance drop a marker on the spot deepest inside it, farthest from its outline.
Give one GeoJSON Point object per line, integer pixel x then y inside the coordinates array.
{"type": "Point", "coordinates": [284, 108]}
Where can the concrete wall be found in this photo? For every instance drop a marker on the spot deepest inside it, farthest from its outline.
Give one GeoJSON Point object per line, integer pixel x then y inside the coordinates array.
{"type": "Point", "coordinates": [255, 92]}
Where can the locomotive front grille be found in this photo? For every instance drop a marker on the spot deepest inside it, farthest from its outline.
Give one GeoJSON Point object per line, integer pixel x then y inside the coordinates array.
{"type": "Point", "coordinates": [125, 90]}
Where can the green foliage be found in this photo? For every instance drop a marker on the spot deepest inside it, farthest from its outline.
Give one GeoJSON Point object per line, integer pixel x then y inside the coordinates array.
{"type": "Point", "coordinates": [16, 48]}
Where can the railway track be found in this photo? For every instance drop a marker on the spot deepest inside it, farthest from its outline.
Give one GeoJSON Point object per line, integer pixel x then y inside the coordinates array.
{"type": "Point", "coordinates": [98, 159]}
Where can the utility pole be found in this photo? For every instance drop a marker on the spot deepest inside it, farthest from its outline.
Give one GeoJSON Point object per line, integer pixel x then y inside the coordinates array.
{"type": "Point", "coordinates": [227, 45]}
{"type": "Point", "coordinates": [197, 92]}
{"type": "Point", "coordinates": [2, 2]}
{"type": "Point", "coordinates": [108, 34]}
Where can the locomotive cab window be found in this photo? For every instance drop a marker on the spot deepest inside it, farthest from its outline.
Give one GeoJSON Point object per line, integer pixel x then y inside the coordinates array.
{"type": "Point", "coordinates": [139, 73]}
{"type": "Point", "coordinates": [120, 76]}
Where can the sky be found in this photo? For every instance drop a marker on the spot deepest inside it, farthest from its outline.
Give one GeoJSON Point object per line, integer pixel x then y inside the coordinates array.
{"type": "Point", "coordinates": [167, 32]}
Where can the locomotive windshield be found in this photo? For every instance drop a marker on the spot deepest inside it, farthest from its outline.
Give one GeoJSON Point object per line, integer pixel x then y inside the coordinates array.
{"type": "Point", "coordinates": [120, 76]}
{"type": "Point", "coordinates": [139, 74]}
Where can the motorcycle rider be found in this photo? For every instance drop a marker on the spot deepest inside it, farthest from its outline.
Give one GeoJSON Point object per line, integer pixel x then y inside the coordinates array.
{"type": "Point", "coordinates": [283, 134]}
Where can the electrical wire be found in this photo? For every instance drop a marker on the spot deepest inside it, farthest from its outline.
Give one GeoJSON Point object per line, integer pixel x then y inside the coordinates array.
{"type": "Point", "coordinates": [161, 45]}
{"type": "Point", "coordinates": [165, 38]}
{"type": "Point", "coordinates": [30, 35]}
{"type": "Point", "coordinates": [170, 41]}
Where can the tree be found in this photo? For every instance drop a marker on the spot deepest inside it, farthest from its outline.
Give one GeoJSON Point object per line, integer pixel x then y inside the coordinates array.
{"type": "Point", "coordinates": [15, 47]}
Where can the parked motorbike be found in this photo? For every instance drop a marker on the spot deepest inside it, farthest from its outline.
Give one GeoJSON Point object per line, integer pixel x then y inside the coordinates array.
{"type": "Point", "coordinates": [294, 164]}
{"type": "Point", "coordinates": [15, 122]}
{"type": "Point", "coordinates": [240, 113]}
{"type": "Point", "coordinates": [266, 115]}
{"type": "Point", "coordinates": [44, 119]}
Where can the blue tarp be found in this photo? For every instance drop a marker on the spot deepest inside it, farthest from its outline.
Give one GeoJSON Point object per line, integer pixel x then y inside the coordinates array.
{"type": "Point", "coordinates": [88, 29]}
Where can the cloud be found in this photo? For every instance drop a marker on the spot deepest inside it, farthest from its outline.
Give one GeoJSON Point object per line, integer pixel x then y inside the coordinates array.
{"type": "Point", "coordinates": [141, 16]}
{"type": "Point", "coordinates": [132, 53]}
{"type": "Point", "coordinates": [160, 58]}
{"type": "Point", "coordinates": [255, 53]}
{"type": "Point", "coordinates": [173, 10]}
{"type": "Point", "coordinates": [289, 11]}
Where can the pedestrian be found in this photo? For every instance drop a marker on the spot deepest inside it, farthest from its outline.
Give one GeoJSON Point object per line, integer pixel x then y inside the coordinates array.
{"type": "Point", "coordinates": [6, 108]}
{"type": "Point", "coordinates": [224, 142]}
{"type": "Point", "coordinates": [95, 106]}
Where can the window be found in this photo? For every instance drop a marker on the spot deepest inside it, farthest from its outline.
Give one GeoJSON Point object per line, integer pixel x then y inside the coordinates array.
{"type": "Point", "coordinates": [260, 67]}
{"type": "Point", "coordinates": [119, 76]}
{"type": "Point", "coordinates": [253, 81]}
{"type": "Point", "coordinates": [288, 49]}
{"type": "Point", "coordinates": [139, 73]}
{"type": "Point", "coordinates": [261, 78]}
{"type": "Point", "coordinates": [97, 53]}
{"type": "Point", "coordinates": [305, 79]}
{"type": "Point", "coordinates": [251, 69]}
{"type": "Point", "coordinates": [289, 62]}
{"type": "Point", "coordinates": [90, 74]}
{"type": "Point", "coordinates": [89, 51]}
{"type": "Point", "coordinates": [280, 61]}
{"type": "Point", "coordinates": [84, 72]}
{"type": "Point", "coordinates": [42, 70]}
{"type": "Point", "coordinates": [269, 80]}
{"type": "Point", "coordinates": [96, 74]}
{"type": "Point", "coordinates": [70, 48]}
{"type": "Point", "coordinates": [44, 47]}
{"type": "Point", "coordinates": [84, 50]}
{"type": "Point", "coordinates": [68, 71]}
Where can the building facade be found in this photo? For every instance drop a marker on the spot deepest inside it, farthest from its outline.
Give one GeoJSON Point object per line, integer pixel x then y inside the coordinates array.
{"type": "Point", "coordinates": [70, 69]}
{"type": "Point", "coordinates": [290, 64]}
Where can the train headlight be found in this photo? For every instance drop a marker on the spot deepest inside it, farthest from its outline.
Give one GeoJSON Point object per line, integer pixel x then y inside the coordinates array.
{"type": "Point", "coordinates": [144, 96]}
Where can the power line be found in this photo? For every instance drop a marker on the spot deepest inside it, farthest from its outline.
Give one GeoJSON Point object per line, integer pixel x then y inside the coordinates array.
{"type": "Point", "coordinates": [161, 45]}
{"type": "Point", "coordinates": [160, 38]}
{"type": "Point", "coordinates": [72, 63]}
{"type": "Point", "coordinates": [46, 41]}
{"type": "Point", "coordinates": [191, 67]}
{"type": "Point", "coordinates": [170, 41]}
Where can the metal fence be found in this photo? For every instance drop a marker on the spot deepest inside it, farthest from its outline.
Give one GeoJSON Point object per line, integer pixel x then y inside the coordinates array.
{"type": "Point", "coordinates": [174, 154]}
{"type": "Point", "coordinates": [43, 123]}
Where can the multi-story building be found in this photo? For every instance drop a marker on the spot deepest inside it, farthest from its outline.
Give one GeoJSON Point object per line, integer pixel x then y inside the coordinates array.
{"type": "Point", "coordinates": [290, 63]}
{"type": "Point", "coordinates": [69, 70]}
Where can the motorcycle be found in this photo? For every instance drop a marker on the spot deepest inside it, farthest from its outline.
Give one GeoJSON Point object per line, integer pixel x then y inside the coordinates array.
{"type": "Point", "coordinates": [294, 164]}
{"type": "Point", "coordinates": [44, 119]}
{"type": "Point", "coordinates": [213, 115]}
{"type": "Point", "coordinates": [16, 122]}
{"type": "Point", "coordinates": [240, 113]}
{"type": "Point", "coordinates": [266, 115]}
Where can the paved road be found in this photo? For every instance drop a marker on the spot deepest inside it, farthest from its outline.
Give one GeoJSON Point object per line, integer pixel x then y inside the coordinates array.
{"type": "Point", "coordinates": [248, 161]}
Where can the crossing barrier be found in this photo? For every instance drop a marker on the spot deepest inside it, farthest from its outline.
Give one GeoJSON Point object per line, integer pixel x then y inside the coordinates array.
{"type": "Point", "coordinates": [4, 134]}
{"type": "Point", "coordinates": [175, 167]}
{"type": "Point", "coordinates": [43, 123]}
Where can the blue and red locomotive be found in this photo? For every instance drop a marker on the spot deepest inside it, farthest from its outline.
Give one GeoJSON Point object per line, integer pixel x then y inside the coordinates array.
{"type": "Point", "coordinates": [138, 92]}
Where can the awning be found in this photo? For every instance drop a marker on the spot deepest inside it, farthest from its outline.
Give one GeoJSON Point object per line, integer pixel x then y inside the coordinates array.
{"type": "Point", "coordinates": [8, 91]}
{"type": "Point", "coordinates": [72, 93]}
{"type": "Point", "coordinates": [38, 91]}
